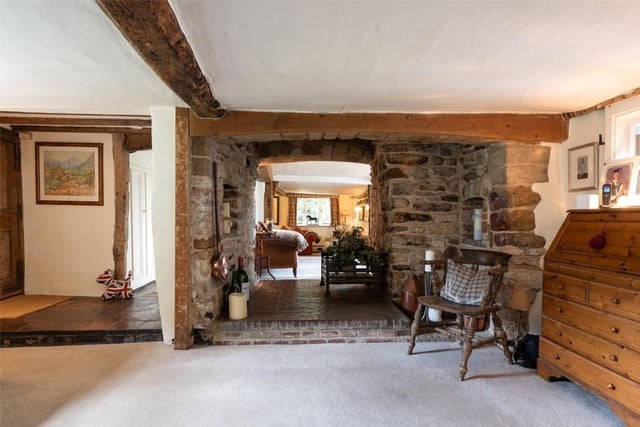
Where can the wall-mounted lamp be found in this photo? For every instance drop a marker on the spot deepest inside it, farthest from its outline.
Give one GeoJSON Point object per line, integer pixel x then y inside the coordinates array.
{"type": "Point", "coordinates": [600, 141]}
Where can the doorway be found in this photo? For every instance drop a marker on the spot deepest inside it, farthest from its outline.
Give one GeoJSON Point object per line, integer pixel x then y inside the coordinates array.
{"type": "Point", "coordinates": [140, 254]}
{"type": "Point", "coordinates": [11, 237]}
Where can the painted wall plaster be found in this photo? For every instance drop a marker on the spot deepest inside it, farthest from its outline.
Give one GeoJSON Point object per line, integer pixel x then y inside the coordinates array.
{"type": "Point", "coordinates": [66, 246]}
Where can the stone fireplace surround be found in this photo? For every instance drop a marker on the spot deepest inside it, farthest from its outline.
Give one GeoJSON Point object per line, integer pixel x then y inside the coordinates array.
{"type": "Point", "coordinates": [423, 195]}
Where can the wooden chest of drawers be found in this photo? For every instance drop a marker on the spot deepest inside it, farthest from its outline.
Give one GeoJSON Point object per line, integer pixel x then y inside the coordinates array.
{"type": "Point", "coordinates": [591, 308]}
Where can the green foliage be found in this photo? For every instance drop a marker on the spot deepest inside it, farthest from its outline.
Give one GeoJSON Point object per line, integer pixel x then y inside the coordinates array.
{"type": "Point", "coordinates": [351, 249]}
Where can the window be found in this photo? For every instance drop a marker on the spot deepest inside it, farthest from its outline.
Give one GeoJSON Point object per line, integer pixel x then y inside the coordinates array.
{"type": "Point", "coordinates": [626, 134]}
{"type": "Point", "coordinates": [313, 211]}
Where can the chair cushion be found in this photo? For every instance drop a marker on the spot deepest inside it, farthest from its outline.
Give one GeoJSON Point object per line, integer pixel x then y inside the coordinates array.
{"type": "Point", "coordinates": [465, 285]}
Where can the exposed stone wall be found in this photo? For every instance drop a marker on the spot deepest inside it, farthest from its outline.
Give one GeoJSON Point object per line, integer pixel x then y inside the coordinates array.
{"type": "Point", "coordinates": [419, 189]}
{"type": "Point", "coordinates": [513, 169]}
{"type": "Point", "coordinates": [238, 190]}
{"type": "Point", "coordinates": [352, 150]}
{"type": "Point", "coordinates": [422, 195]}
{"type": "Point", "coordinates": [427, 195]}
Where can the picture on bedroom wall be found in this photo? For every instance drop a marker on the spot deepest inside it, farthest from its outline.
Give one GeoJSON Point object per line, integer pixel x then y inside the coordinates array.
{"type": "Point", "coordinates": [582, 167]}
{"type": "Point", "coordinates": [69, 174]}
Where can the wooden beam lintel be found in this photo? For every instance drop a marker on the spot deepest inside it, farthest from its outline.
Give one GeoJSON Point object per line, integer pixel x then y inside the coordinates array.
{"type": "Point", "coordinates": [137, 142]}
{"type": "Point", "coordinates": [21, 120]}
{"type": "Point", "coordinates": [83, 129]}
{"type": "Point", "coordinates": [496, 126]}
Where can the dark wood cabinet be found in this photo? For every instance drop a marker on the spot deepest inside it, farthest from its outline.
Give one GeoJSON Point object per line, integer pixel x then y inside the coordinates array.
{"type": "Point", "coordinates": [591, 307]}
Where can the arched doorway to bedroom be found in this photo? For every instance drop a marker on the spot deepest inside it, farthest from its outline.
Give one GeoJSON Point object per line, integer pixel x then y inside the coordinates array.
{"type": "Point", "coordinates": [292, 174]}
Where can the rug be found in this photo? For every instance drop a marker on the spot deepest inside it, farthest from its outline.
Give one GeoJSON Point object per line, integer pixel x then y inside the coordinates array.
{"type": "Point", "coordinates": [11, 308]}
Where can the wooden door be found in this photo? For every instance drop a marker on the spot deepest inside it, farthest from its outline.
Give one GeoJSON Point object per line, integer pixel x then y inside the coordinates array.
{"type": "Point", "coordinates": [11, 244]}
{"type": "Point", "coordinates": [140, 251]}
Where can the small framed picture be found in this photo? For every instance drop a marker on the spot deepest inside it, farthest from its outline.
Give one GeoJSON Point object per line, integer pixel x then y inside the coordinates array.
{"type": "Point", "coordinates": [583, 174]}
{"type": "Point", "coordinates": [623, 176]}
{"type": "Point", "coordinates": [69, 174]}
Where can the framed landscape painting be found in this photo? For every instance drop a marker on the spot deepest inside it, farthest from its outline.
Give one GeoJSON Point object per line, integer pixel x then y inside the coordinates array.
{"type": "Point", "coordinates": [69, 174]}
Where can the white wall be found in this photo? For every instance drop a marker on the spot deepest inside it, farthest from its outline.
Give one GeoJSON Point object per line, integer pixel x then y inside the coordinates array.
{"type": "Point", "coordinates": [163, 217]}
{"type": "Point", "coordinates": [66, 246]}
{"type": "Point", "coordinates": [555, 196]}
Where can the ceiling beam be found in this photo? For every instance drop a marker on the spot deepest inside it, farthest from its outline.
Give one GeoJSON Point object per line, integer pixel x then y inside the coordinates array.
{"type": "Point", "coordinates": [81, 129]}
{"type": "Point", "coordinates": [152, 29]}
{"type": "Point", "coordinates": [603, 104]}
{"type": "Point", "coordinates": [66, 120]}
{"type": "Point", "coordinates": [511, 127]}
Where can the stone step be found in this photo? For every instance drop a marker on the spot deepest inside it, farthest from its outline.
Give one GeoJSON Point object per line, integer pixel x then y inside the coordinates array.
{"type": "Point", "coordinates": [248, 332]}
{"type": "Point", "coordinates": [56, 338]}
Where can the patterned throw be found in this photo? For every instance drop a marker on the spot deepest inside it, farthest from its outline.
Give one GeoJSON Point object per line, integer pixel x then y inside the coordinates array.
{"type": "Point", "coordinates": [465, 285]}
{"type": "Point", "coordinates": [115, 288]}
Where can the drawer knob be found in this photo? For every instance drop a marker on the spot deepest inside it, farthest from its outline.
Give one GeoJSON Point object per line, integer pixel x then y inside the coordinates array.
{"type": "Point", "coordinates": [559, 333]}
{"type": "Point", "coordinates": [614, 330]}
{"type": "Point", "coordinates": [559, 309]}
{"type": "Point", "coordinates": [556, 356]}
{"type": "Point", "coordinates": [560, 286]}
{"type": "Point", "coordinates": [613, 358]}
{"type": "Point", "coordinates": [611, 386]}
{"type": "Point", "coordinates": [615, 300]}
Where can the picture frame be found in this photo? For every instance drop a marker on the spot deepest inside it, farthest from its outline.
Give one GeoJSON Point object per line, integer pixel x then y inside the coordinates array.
{"type": "Point", "coordinates": [628, 171]}
{"type": "Point", "coordinates": [69, 173]}
{"type": "Point", "coordinates": [583, 167]}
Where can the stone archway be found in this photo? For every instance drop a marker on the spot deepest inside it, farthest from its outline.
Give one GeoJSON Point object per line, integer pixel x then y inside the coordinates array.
{"type": "Point", "coordinates": [422, 194]}
{"type": "Point", "coordinates": [342, 150]}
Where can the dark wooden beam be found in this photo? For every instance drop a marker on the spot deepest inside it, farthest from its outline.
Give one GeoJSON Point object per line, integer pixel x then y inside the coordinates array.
{"type": "Point", "coordinates": [121, 184]}
{"type": "Point", "coordinates": [81, 129]}
{"type": "Point", "coordinates": [511, 127]}
{"type": "Point", "coordinates": [152, 29]}
{"type": "Point", "coordinates": [183, 262]}
{"type": "Point", "coordinates": [137, 142]}
{"type": "Point", "coordinates": [603, 104]}
{"type": "Point", "coordinates": [59, 120]}
{"type": "Point", "coordinates": [8, 135]}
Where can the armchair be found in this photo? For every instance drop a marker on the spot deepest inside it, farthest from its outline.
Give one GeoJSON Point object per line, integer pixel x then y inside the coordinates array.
{"type": "Point", "coordinates": [467, 299]}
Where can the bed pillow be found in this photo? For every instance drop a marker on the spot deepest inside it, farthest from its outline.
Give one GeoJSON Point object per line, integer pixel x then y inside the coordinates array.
{"type": "Point", "coordinates": [465, 285]}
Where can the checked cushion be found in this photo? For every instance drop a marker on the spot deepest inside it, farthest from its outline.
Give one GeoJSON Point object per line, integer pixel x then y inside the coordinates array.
{"type": "Point", "coordinates": [465, 285]}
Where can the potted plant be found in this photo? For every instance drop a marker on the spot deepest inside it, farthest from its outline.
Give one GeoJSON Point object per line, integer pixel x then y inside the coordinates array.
{"type": "Point", "coordinates": [351, 249]}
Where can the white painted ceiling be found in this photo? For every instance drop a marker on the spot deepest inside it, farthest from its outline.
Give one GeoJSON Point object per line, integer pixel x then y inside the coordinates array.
{"type": "Point", "coordinates": [322, 177]}
{"type": "Point", "coordinates": [66, 56]}
{"type": "Point", "coordinates": [414, 56]}
{"type": "Point", "coordinates": [417, 56]}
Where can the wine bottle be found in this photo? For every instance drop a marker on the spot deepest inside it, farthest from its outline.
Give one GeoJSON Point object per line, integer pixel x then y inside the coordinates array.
{"type": "Point", "coordinates": [241, 275]}
{"type": "Point", "coordinates": [234, 286]}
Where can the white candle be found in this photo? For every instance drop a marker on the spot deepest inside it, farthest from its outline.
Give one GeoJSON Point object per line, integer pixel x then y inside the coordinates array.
{"type": "Point", "coordinates": [434, 315]}
{"type": "Point", "coordinates": [429, 255]}
{"type": "Point", "coordinates": [237, 306]}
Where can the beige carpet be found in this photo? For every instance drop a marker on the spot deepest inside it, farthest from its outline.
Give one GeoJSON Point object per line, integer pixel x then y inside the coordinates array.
{"type": "Point", "coordinates": [20, 305]}
{"type": "Point", "coordinates": [342, 385]}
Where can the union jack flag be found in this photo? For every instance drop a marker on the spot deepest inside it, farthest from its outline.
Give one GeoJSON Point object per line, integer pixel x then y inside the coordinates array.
{"type": "Point", "coordinates": [116, 288]}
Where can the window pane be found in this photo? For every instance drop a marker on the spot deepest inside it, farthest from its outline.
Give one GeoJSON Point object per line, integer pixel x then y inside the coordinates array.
{"type": "Point", "coordinates": [313, 211]}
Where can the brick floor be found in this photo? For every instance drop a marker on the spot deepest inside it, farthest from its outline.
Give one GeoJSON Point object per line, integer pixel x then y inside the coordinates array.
{"type": "Point", "coordinates": [280, 312]}
{"type": "Point", "coordinates": [297, 312]}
